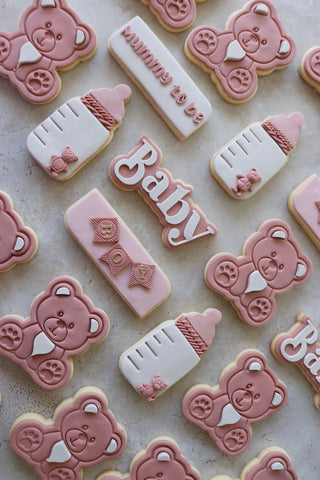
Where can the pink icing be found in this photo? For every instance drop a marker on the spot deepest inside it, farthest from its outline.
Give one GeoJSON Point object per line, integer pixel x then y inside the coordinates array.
{"type": "Point", "coordinates": [174, 14]}
{"type": "Point", "coordinates": [17, 242]}
{"type": "Point", "coordinates": [272, 263]}
{"type": "Point", "coordinates": [59, 164]}
{"type": "Point", "coordinates": [245, 182]}
{"type": "Point", "coordinates": [253, 42]}
{"type": "Point", "coordinates": [142, 274]}
{"type": "Point", "coordinates": [205, 323]}
{"type": "Point", "coordinates": [311, 67]}
{"type": "Point", "coordinates": [106, 230]}
{"type": "Point", "coordinates": [305, 207]}
{"type": "Point", "coordinates": [150, 390]}
{"type": "Point", "coordinates": [248, 391]}
{"type": "Point", "coordinates": [78, 221]}
{"type": "Point", "coordinates": [286, 130]}
{"type": "Point", "coordinates": [273, 464]}
{"type": "Point", "coordinates": [50, 38]}
{"type": "Point", "coordinates": [116, 258]}
{"type": "Point", "coordinates": [63, 322]}
{"type": "Point", "coordinates": [82, 427]}
{"type": "Point", "coordinates": [161, 459]}
{"type": "Point", "coordinates": [113, 100]}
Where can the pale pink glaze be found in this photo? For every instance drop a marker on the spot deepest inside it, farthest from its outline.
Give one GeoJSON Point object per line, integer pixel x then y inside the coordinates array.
{"type": "Point", "coordinates": [288, 127]}
{"type": "Point", "coordinates": [78, 221]}
{"type": "Point", "coordinates": [64, 322]}
{"type": "Point", "coordinates": [175, 14]}
{"type": "Point", "coordinates": [204, 324]}
{"type": "Point", "coordinates": [253, 41]}
{"type": "Point", "coordinates": [311, 67]}
{"type": "Point", "coordinates": [85, 428]}
{"type": "Point", "coordinates": [248, 392]}
{"type": "Point", "coordinates": [17, 242]}
{"type": "Point", "coordinates": [272, 263]}
{"type": "Point", "coordinates": [274, 465]}
{"type": "Point", "coordinates": [50, 38]}
{"type": "Point", "coordinates": [304, 204]}
{"type": "Point", "coordinates": [161, 459]}
{"type": "Point", "coordinates": [113, 100]}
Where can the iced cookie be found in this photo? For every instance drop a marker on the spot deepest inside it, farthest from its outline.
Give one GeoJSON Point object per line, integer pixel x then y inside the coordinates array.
{"type": "Point", "coordinates": [63, 322]}
{"type": "Point", "coordinates": [300, 346]}
{"type": "Point", "coordinates": [253, 157]}
{"type": "Point", "coordinates": [161, 459]}
{"type": "Point", "coordinates": [77, 131]}
{"type": "Point", "coordinates": [253, 43]}
{"type": "Point", "coordinates": [170, 199]}
{"type": "Point", "coordinates": [304, 204]}
{"type": "Point", "coordinates": [51, 38]}
{"type": "Point", "coordinates": [248, 391]}
{"type": "Point", "coordinates": [174, 15]}
{"type": "Point", "coordinates": [168, 352]}
{"type": "Point", "coordinates": [83, 432]}
{"type": "Point", "coordinates": [160, 77]}
{"type": "Point", "coordinates": [310, 68]}
{"type": "Point", "coordinates": [272, 262]}
{"type": "Point", "coordinates": [17, 243]}
{"type": "Point", "coordinates": [118, 254]}
{"type": "Point", "coordinates": [273, 463]}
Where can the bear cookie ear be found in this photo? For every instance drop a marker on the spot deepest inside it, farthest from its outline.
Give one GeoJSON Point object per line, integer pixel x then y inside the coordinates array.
{"type": "Point", "coordinates": [301, 271]}
{"type": "Point", "coordinates": [115, 444]}
{"type": "Point", "coordinates": [261, 9]}
{"type": "Point", "coordinates": [279, 398]}
{"type": "Point", "coordinates": [96, 324]}
{"type": "Point", "coordinates": [83, 36]}
{"type": "Point", "coordinates": [285, 48]}
{"type": "Point", "coordinates": [48, 4]}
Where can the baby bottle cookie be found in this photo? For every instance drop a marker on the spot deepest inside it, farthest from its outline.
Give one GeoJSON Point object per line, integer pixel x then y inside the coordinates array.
{"type": "Point", "coordinates": [77, 131]}
{"type": "Point", "coordinates": [168, 352]}
{"type": "Point", "coordinates": [252, 158]}
{"type": "Point", "coordinates": [248, 391]}
{"type": "Point", "coordinates": [272, 262]}
{"type": "Point", "coordinates": [310, 68]}
{"type": "Point", "coordinates": [253, 43]}
{"type": "Point", "coordinates": [51, 38]}
{"type": "Point", "coordinates": [82, 432]}
{"type": "Point", "coordinates": [63, 322]}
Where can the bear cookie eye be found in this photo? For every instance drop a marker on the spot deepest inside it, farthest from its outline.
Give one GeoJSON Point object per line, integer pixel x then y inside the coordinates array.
{"type": "Point", "coordinates": [256, 396]}
{"type": "Point", "coordinates": [84, 427]}
{"type": "Point", "coordinates": [59, 36]}
{"type": "Point", "coordinates": [264, 41]}
{"type": "Point", "coordinates": [159, 474]}
{"type": "Point", "coordinates": [60, 313]}
{"type": "Point", "coordinates": [48, 25]}
{"type": "Point", "coordinates": [281, 266]}
{"type": "Point", "coordinates": [273, 254]}
{"type": "Point", "coordinates": [249, 385]}
{"type": "Point", "coordinates": [256, 29]}
{"type": "Point", "coordinates": [92, 439]}
{"type": "Point", "coordinates": [70, 326]}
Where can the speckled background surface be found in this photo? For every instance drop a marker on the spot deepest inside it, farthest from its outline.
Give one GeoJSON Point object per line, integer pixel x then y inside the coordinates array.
{"type": "Point", "coordinates": [42, 202]}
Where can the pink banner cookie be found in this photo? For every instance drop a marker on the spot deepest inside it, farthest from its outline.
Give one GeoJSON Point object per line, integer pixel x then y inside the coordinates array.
{"type": "Point", "coordinates": [83, 432]}
{"type": "Point", "coordinates": [248, 391]}
{"type": "Point", "coordinates": [272, 262]}
{"type": "Point", "coordinates": [117, 253]}
{"type": "Point", "coordinates": [310, 68]}
{"type": "Point", "coordinates": [17, 243]}
{"type": "Point", "coordinates": [161, 458]}
{"type": "Point", "coordinates": [51, 38]}
{"type": "Point", "coordinates": [168, 352]}
{"type": "Point", "coordinates": [77, 131]}
{"type": "Point", "coordinates": [170, 199]}
{"type": "Point", "coordinates": [273, 463]}
{"type": "Point", "coordinates": [253, 43]}
{"type": "Point", "coordinates": [63, 322]}
{"type": "Point", "coordinates": [300, 346]}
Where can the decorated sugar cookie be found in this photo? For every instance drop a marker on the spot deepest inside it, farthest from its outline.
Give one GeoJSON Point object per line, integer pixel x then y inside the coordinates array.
{"type": "Point", "coordinates": [17, 243]}
{"type": "Point", "coordinates": [272, 262]}
{"type": "Point", "coordinates": [168, 352]}
{"type": "Point", "coordinates": [63, 322]}
{"type": "Point", "coordinates": [310, 68]}
{"type": "Point", "coordinates": [248, 391]}
{"type": "Point", "coordinates": [253, 43]}
{"type": "Point", "coordinates": [83, 432]}
{"type": "Point", "coordinates": [161, 459]}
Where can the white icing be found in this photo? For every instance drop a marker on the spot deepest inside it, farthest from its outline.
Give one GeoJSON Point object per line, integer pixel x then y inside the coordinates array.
{"type": "Point", "coordinates": [145, 78]}
{"type": "Point", "coordinates": [301, 270]}
{"type": "Point", "coordinates": [70, 125]}
{"type": "Point", "coordinates": [20, 243]}
{"type": "Point", "coordinates": [255, 367]}
{"type": "Point", "coordinates": [28, 54]}
{"type": "Point", "coordinates": [256, 282]}
{"type": "Point", "coordinates": [277, 399]}
{"type": "Point", "coordinates": [163, 457]}
{"type": "Point", "coordinates": [165, 351]}
{"type": "Point", "coordinates": [279, 234]}
{"type": "Point", "coordinates": [277, 466]}
{"type": "Point", "coordinates": [262, 9]}
{"type": "Point", "coordinates": [48, 3]}
{"type": "Point", "coordinates": [63, 291]}
{"type": "Point", "coordinates": [91, 408]}
{"type": "Point", "coordinates": [252, 148]}
{"type": "Point", "coordinates": [42, 345]}
{"type": "Point", "coordinates": [229, 416]}
{"type": "Point", "coordinates": [59, 453]}
{"type": "Point", "coordinates": [234, 52]}
{"type": "Point", "coordinates": [112, 447]}
{"type": "Point", "coordinates": [284, 47]}
{"type": "Point", "coordinates": [80, 37]}
{"type": "Point", "coordinates": [175, 199]}
{"type": "Point", "coordinates": [299, 344]}
{"type": "Point", "coordinates": [94, 325]}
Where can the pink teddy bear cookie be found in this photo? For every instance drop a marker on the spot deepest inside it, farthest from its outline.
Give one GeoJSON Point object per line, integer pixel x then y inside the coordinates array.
{"type": "Point", "coordinates": [272, 262]}
{"type": "Point", "coordinates": [17, 242]}
{"type": "Point", "coordinates": [254, 42]}
{"type": "Point", "coordinates": [161, 459]}
{"type": "Point", "coordinates": [51, 37]}
{"type": "Point", "coordinates": [248, 391]}
{"type": "Point", "coordinates": [63, 322]}
{"type": "Point", "coordinates": [310, 68]}
{"type": "Point", "coordinates": [83, 432]}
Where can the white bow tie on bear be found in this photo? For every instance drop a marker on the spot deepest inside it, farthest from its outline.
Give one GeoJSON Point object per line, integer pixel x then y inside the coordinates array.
{"type": "Point", "coordinates": [235, 52]}
{"type": "Point", "coordinates": [28, 54]}
{"type": "Point", "coordinates": [59, 453]}
{"type": "Point", "coordinates": [256, 282]}
{"type": "Point", "coordinates": [229, 416]}
{"type": "Point", "coordinates": [42, 345]}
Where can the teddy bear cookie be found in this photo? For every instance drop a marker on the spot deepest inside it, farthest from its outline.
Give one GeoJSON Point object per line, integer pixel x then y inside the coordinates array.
{"type": "Point", "coordinates": [51, 38]}
{"type": "Point", "coordinates": [83, 432]}
{"type": "Point", "coordinates": [253, 43]}
{"type": "Point", "coordinates": [161, 459]}
{"type": "Point", "coordinates": [272, 262]}
{"type": "Point", "coordinates": [273, 463]}
{"type": "Point", "coordinates": [170, 199]}
{"type": "Point", "coordinates": [310, 68]}
{"type": "Point", "coordinates": [63, 322]}
{"type": "Point", "coordinates": [300, 346]}
{"type": "Point", "coordinates": [77, 131]}
{"type": "Point", "coordinates": [17, 243]}
{"type": "Point", "coordinates": [252, 158]}
{"type": "Point", "coordinates": [248, 391]}
{"type": "Point", "coordinates": [168, 352]}
{"type": "Point", "coordinates": [174, 15]}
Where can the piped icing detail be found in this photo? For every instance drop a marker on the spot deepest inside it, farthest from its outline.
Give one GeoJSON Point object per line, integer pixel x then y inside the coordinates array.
{"type": "Point", "coordinates": [106, 230]}
{"type": "Point", "coordinates": [245, 182]}
{"type": "Point", "coordinates": [284, 130]}
{"type": "Point", "coordinates": [59, 164]}
{"type": "Point", "coordinates": [150, 390]}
